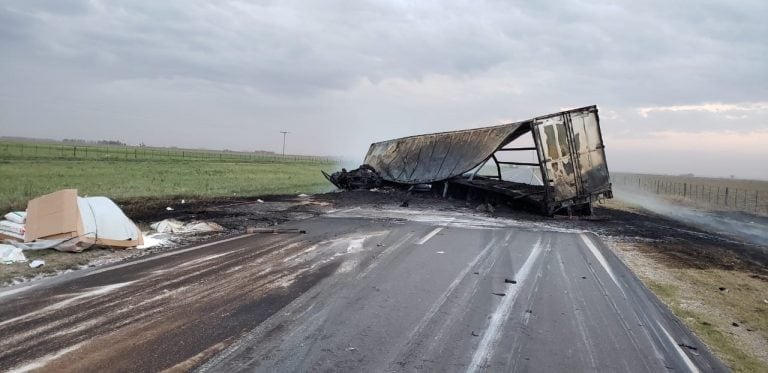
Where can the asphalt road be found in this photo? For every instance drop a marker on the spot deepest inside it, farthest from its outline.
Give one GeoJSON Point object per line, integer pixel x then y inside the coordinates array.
{"type": "Point", "coordinates": [363, 290]}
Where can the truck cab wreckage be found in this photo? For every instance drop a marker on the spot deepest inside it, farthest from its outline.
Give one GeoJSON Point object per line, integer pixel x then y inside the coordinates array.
{"type": "Point", "coordinates": [565, 171]}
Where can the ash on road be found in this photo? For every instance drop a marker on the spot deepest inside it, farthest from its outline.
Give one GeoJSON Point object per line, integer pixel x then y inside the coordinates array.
{"type": "Point", "coordinates": [367, 289]}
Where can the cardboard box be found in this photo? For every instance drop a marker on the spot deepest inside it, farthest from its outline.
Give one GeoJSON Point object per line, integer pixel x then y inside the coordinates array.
{"type": "Point", "coordinates": [94, 220]}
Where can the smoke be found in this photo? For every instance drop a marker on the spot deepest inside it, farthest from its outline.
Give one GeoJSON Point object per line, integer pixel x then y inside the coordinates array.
{"type": "Point", "coordinates": [739, 225]}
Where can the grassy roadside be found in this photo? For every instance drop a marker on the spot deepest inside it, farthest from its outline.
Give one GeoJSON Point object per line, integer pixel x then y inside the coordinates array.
{"type": "Point", "coordinates": [121, 179]}
{"type": "Point", "coordinates": [142, 184]}
{"type": "Point", "coordinates": [727, 308]}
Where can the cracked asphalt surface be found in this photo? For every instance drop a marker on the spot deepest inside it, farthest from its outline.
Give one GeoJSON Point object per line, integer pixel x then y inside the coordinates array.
{"type": "Point", "coordinates": [364, 290]}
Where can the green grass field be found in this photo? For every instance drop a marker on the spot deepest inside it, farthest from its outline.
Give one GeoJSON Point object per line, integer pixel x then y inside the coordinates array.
{"type": "Point", "coordinates": [21, 180]}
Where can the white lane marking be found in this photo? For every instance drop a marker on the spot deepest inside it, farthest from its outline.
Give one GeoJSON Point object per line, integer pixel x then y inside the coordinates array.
{"type": "Point", "coordinates": [448, 291]}
{"type": "Point", "coordinates": [691, 367]}
{"type": "Point", "coordinates": [501, 314]}
{"type": "Point", "coordinates": [429, 235]}
{"type": "Point", "coordinates": [601, 259]}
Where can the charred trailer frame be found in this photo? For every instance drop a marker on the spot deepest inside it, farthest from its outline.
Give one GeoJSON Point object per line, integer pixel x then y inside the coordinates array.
{"type": "Point", "coordinates": [568, 145]}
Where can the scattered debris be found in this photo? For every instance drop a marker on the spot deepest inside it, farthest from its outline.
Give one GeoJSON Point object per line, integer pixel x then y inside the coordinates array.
{"type": "Point", "coordinates": [169, 208]}
{"type": "Point", "coordinates": [303, 195]}
{"type": "Point", "coordinates": [529, 311]}
{"type": "Point", "coordinates": [583, 277]}
{"type": "Point", "coordinates": [687, 346]}
{"type": "Point", "coordinates": [475, 334]}
{"type": "Point", "coordinates": [499, 294]}
{"type": "Point", "coordinates": [178, 227]}
{"type": "Point", "coordinates": [37, 263]}
{"type": "Point", "coordinates": [735, 324]}
{"type": "Point", "coordinates": [475, 273]}
{"type": "Point", "coordinates": [274, 230]}
{"type": "Point", "coordinates": [440, 252]}
{"type": "Point", "coordinates": [363, 177]}
{"type": "Point", "coordinates": [154, 240]}
{"type": "Point", "coordinates": [260, 200]}
{"type": "Point", "coordinates": [508, 281]}
{"type": "Point", "coordinates": [405, 204]}
{"type": "Point", "coordinates": [11, 254]}
{"type": "Point", "coordinates": [351, 349]}
{"type": "Point", "coordinates": [485, 207]}
{"type": "Point", "coordinates": [722, 288]}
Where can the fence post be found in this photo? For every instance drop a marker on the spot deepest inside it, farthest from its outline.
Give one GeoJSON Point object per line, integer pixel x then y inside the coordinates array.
{"type": "Point", "coordinates": [757, 192]}
{"type": "Point", "coordinates": [74, 151]}
{"type": "Point", "coordinates": [745, 200]}
{"type": "Point", "coordinates": [726, 196]}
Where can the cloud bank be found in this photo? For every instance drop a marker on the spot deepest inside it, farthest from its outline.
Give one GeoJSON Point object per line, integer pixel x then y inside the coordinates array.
{"type": "Point", "coordinates": [342, 74]}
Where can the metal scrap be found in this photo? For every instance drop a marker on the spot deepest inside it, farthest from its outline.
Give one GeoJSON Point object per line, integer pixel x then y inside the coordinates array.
{"type": "Point", "coordinates": [363, 177]}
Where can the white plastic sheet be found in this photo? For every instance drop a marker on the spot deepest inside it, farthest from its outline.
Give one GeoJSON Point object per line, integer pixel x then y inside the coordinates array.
{"type": "Point", "coordinates": [175, 226]}
{"type": "Point", "coordinates": [11, 254]}
{"type": "Point", "coordinates": [103, 219]}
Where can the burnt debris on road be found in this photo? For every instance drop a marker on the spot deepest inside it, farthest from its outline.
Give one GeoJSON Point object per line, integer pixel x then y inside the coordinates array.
{"type": "Point", "coordinates": [568, 174]}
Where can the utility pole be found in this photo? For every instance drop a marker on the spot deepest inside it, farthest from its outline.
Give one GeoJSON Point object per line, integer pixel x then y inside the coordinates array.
{"type": "Point", "coordinates": [284, 133]}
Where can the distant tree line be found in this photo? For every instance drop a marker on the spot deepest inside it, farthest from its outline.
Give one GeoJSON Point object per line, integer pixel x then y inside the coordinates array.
{"type": "Point", "coordinates": [99, 142]}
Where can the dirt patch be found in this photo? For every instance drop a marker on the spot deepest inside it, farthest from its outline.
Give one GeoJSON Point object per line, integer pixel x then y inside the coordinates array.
{"type": "Point", "coordinates": [715, 284]}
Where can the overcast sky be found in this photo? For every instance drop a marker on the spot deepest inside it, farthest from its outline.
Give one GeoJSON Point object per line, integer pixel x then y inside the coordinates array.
{"type": "Point", "coordinates": [682, 86]}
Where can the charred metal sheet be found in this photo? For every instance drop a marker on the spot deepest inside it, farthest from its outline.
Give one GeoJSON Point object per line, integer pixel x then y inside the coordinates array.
{"type": "Point", "coordinates": [438, 156]}
{"type": "Point", "coordinates": [568, 144]}
{"type": "Point", "coordinates": [364, 177]}
{"type": "Point", "coordinates": [570, 147]}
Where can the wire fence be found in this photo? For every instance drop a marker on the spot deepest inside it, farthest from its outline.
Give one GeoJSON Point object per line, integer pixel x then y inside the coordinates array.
{"type": "Point", "coordinates": [15, 150]}
{"type": "Point", "coordinates": [723, 194]}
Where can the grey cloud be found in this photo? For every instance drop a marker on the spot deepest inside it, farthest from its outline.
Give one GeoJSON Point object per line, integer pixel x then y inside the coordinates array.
{"type": "Point", "coordinates": [267, 65]}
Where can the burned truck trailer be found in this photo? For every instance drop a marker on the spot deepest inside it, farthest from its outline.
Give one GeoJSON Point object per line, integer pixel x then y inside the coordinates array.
{"type": "Point", "coordinates": [563, 153]}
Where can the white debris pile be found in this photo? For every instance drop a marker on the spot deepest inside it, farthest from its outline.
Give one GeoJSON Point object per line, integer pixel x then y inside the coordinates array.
{"type": "Point", "coordinates": [155, 240]}
{"type": "Point", "coordinates": [177, 227]}
{"type": "Point", "coordinates": [11, 254]}
{"type": "Point", "coordinates": [66, 222]}
{"type": "Point", "coordinates": [37, 263]}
